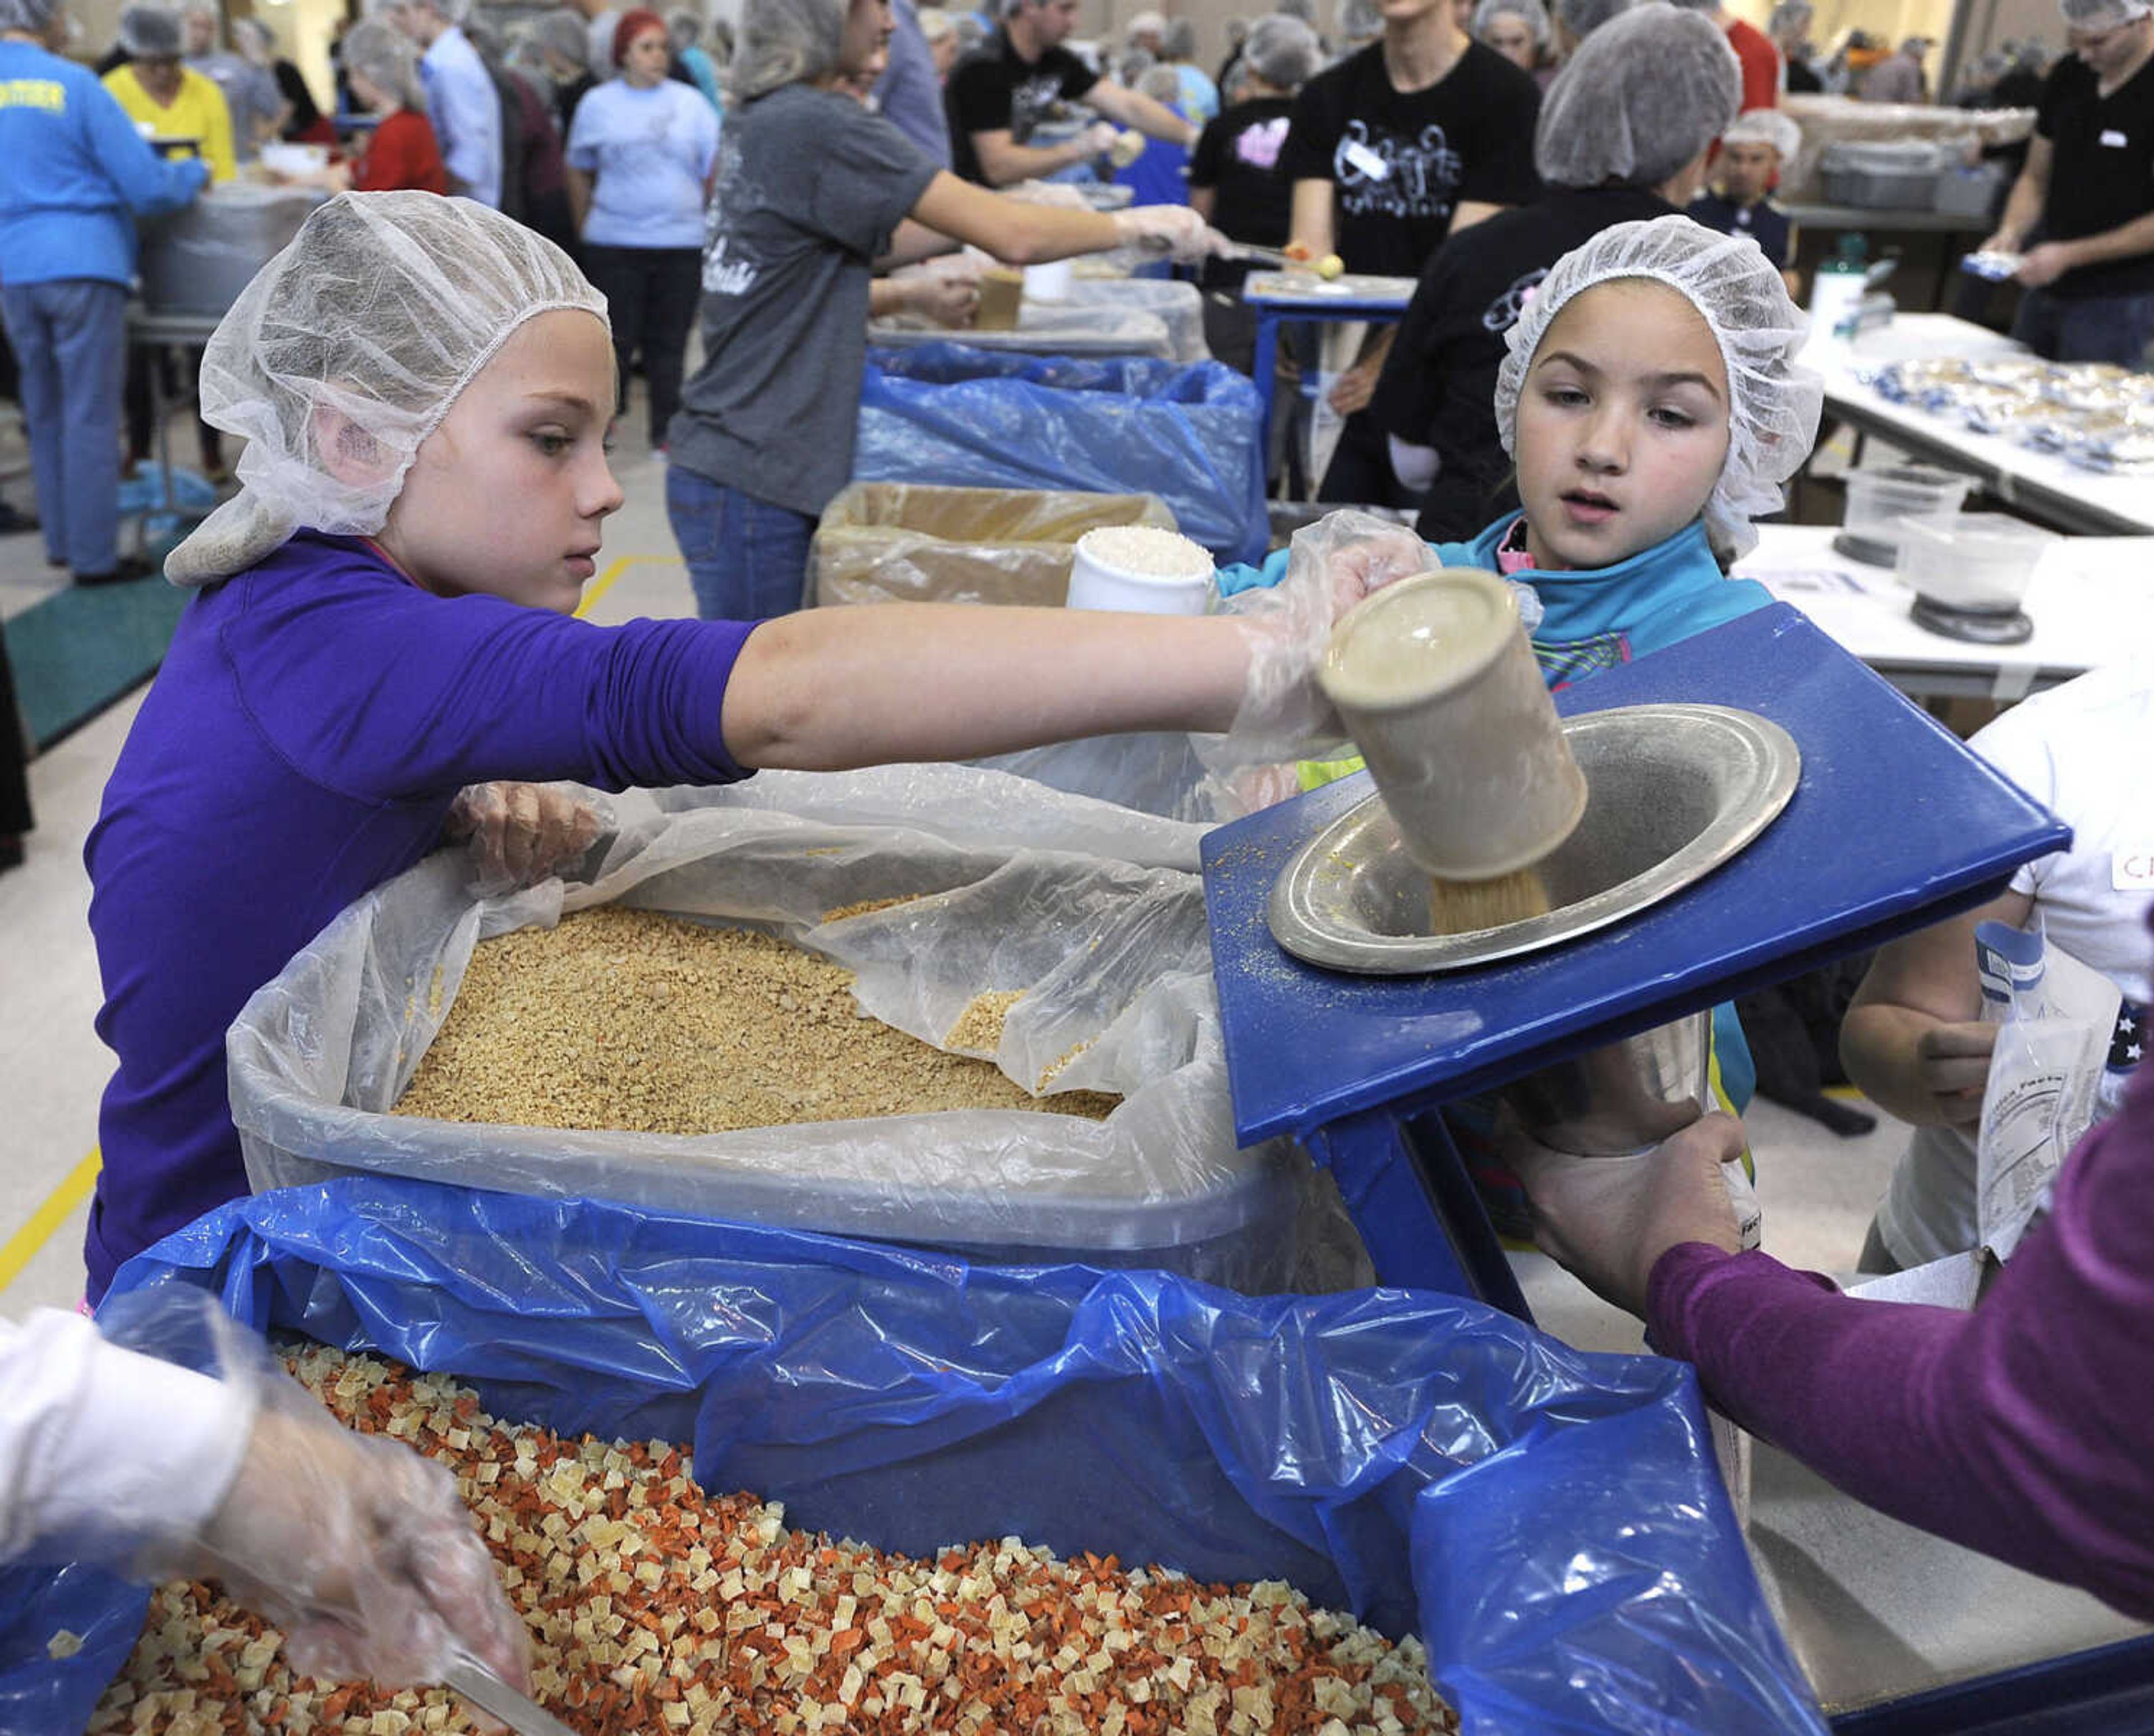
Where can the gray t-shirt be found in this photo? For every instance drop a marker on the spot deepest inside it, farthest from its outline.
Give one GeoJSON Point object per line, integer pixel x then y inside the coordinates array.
{"type": "Point", "coordinates": [810, 186]}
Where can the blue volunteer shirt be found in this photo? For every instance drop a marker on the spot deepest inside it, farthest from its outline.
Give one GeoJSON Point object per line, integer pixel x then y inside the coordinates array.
{"type": "Point", "coordinates": [313, 720]}
{"type": "Point", "coordinates": [77, 172]}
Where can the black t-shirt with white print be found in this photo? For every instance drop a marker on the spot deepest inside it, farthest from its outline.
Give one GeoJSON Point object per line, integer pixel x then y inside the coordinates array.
{"type": "Point", "coordinates": [1238, 157]}
{"type": "Point", "coordinates": [1401, 162]}
{"type": "Point", "coordinates": [995, 90]}
{"type": "Point", "coordinates": [2102, 174]}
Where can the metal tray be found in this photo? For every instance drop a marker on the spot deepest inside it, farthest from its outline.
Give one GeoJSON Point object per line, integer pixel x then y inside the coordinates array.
{"type": "Point", "coordinates": [1673, 791]}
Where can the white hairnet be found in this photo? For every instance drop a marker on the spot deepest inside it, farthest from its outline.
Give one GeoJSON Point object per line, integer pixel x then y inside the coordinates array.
{"type": "Point", "coordinates": [684, 28]}
{"type": "Point", "coordinates": [1161, 83]}
{"type": "Point", "coordinates": [1582, 17]}
{"type": "Point", "coordinates": [1641, 97]}
{"type": "Point", "coordinates": [1766, 126]}
{"type": "Point", "coordinates": [935, 23]}
{"type": "Point", "coordinates": [562, 33]}
{"type": "Point", "coordinates": [1179, 41]}
{"type": "Point", "coordinates": [383, 308]}
{"type": "Point", "coordinates": [788, 42]}
{"type": "Point", "coordinates": [150, 32]}
{"type": "Point", "coordinates": [1790, 15]}
{"type": "Point", "coordinates": [2102, 14]}
{"type": "Point", "coordinates": [1359, 19]}
{"type": "Point", "coordinates": [1531, 11]}
{"type": "Point", "coordinates": [386, 59]}
{"type": "Point", "coordinates": [33, 16]}
{"type": "Point", "coordinates": [1146, 24]}
{"type": "Point", "coordinates": [1773, 405]}
{"type": "Point", "coordinates": [1283, 51]}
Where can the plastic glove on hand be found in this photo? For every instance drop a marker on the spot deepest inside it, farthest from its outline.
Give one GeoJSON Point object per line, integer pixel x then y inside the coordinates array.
{"type": "Point", "coordinates": [1331, 566]}
{"type": "Point", "coordinates": [1608, 1220]}
{"type": "Point", "coordinates": [1100, 137]}
{"type": "Point", "coordinates": [1174, 230]}
{"type": "Point", "coordinates": [519, 834]}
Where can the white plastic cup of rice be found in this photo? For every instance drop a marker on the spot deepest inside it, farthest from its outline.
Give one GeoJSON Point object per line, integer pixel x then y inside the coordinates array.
{"type": "Point", "coordinates": [1140, 568]}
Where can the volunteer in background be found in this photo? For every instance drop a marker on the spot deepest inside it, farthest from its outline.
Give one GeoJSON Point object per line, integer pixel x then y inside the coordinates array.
{"type": "Point", "coordinates": [463, 105]}
{"type": "Point", "coordinates": [1160, 175]}
{"type": "Point", "coordinates": [1790, 28]}
{"type": "Point", "coordinates": [1200, 96]}
{"type": "Point", "coordinates": [639, 164]}
{"type": "Point", "coordinates": [939, 30]}
{"type": "Point", "coordinates": [561, 39]}
{"type": "Point", "coordinates": [1752, 151]}
{"type": "Point", "coordinates": [1623, 136]}
{"type": "Point", "coordinates": [1413, 138]}
{"type": "Point", "coordinates": [1760, 60]}
{"type": "Point", "coordinates": [910, 91]}
{"type": "Point", "coordinates": [78, 175]}
{"type": "Point", "coordinates": [385, 622]}
{"type": "Point", "coordinates": [1898, 77]}
{"type": "Point", "coordinates": [685, 30]}
{"type": "Point", "coordinates": [1236, 181]}
{"type": "Point", "coordinates": [2023, 1428]}
{"type": "Point", "coordinates": [383, 67]}
{"type": "Point", "coordinates": [2088, 189]}
{"type": "Point", "coordinates": [1915, 1040]}
{"type": "Point", "coordinates": [354, 1546]}
{"type": "Point", "coordinates": [176, 103]}
{"type": "Point", "coordinates": [305, 123]}
{"type": "Point", "coordinates": [998, 96]}
{"type": "Point", "coordinates": [1518, 31]}
{"type": "Point", "coordinates": [251, 96]}
{"type": "Point", "coordinates": [812, 189]}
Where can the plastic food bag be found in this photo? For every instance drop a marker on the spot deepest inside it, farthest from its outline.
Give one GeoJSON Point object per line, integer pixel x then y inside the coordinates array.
{"type": "Point", "coordinates": [894, 541]}
{"type": "Point", "coordinates": [2055, 1016]}
{"type": "Point", "coordinates": [1111, 950]}
{"type": "Point", "coordinates": [962, 417]}
{"type": "Point", "coordinates": [1552, 1524]}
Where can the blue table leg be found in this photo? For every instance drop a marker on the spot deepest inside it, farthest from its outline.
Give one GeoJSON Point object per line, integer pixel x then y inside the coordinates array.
{"type": "Point", "coordinates": [1408, 1193]}
{"type": "Point", "coordinates": [1264, 369]}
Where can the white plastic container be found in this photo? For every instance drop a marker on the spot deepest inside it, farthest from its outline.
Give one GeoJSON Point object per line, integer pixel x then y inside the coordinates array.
{"type": "Point", "coordinates": [1976, 563]}
{"type": "Point", "coordinates": [1141, 569]}
{"type": "Point", "coordinates": [1050, 282]}
{"type": "Point", "coordinates": [283, 158]}
{"type": "Point", "coordinates": [1881, 503]}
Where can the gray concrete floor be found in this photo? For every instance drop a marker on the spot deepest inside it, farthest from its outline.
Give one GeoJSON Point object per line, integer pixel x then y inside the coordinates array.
{"type": "Point", "coordinates": [1874, 1610]}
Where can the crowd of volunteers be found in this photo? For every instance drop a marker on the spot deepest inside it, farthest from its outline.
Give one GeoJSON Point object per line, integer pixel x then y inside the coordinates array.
{"type": "Point", "coordinates": [1596, 391]}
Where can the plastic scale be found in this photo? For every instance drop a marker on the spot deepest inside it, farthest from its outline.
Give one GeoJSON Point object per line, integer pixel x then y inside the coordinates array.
{"type": "Point", "coordinates": [1893, 825]}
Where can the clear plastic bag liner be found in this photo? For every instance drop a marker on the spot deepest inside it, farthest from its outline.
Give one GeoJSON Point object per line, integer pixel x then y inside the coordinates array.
{"type": "Point", "coordinates": [947, 414]}
{"type": "Point", "coordinates": [899, 542]}
{"type": "Point", "coordinates": [1551, 1523]}
{"type": "Point", "coordinates": [1111, 950]}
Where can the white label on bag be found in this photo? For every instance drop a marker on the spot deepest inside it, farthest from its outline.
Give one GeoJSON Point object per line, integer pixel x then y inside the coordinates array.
{"type": "Point", "coordinates": [1367, 162]}
{"type": "Point", "coordinates": [2133, 870]}
{"type": "Point", "coordinates": [2115, 140]}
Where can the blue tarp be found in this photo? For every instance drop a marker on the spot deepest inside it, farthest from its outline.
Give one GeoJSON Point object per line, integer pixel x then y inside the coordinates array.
{"type": "Point", "coordinates": [947, 414]}
{"type": "Point", "coordinates": [1551, 1523]}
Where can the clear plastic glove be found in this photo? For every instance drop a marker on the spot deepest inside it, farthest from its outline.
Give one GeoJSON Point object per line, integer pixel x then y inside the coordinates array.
{"type": "Point", "coordinates": [358, 1549]}
{"type": "Point", "coordinates": [1129, 145]}
{"type": "Point", "coordinates": [1048, 192]}
{"type": "Point", "coordinates": [1174, 230]}
{"type": "Point", "coordinates": [951, 297]}
{"type": "Point", "coordinates": [1099, 138]}
{"type": "Point", "coordinates": [517, 834]}
{"type": "Point", "coordinates": [1608, 1220]}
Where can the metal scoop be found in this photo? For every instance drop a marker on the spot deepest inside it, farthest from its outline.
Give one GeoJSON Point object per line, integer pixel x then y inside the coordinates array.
{"type": "Point", "coordinates": [476, 1683]}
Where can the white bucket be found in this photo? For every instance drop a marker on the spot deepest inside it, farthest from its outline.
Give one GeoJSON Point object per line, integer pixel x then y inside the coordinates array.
{"type": "Point", "coordinates": [1097, 580]}
{"type": "Point", "coordinates": [1050, 282]}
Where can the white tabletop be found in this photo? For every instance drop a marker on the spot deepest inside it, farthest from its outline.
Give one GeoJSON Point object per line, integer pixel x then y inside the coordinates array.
{"type": "Point", "coordinates": [2042, 485]}
{"type": "Point", "coordinates": [2091, 601]}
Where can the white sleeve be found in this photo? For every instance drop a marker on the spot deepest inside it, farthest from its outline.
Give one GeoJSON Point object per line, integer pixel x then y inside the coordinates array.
{"type": "Point", "coordinates": [105, 1444]}
{"type": "Point", "coordinates": [2019, 745]}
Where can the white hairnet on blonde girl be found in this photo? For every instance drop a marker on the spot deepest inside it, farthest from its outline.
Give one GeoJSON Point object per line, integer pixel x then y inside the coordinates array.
{"type": "Point", "coordinates": [1773, 405]}
{"type": "Point", "coordinates": [382, 309]}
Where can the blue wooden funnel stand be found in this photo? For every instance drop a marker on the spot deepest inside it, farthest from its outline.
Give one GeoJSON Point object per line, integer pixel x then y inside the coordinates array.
{"type": "Point", "coordinates": [1893, 825]}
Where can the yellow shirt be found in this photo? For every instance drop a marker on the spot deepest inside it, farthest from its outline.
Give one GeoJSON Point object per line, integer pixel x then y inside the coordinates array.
{"type": "Point", "coordinates": [198, 113]}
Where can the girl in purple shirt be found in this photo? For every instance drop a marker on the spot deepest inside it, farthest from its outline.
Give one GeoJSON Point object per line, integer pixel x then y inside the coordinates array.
{"type": "Point", "coordinates": [384, 620]}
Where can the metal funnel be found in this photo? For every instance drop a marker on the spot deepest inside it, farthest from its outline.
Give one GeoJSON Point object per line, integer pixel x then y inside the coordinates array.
{"type": "Point", "coordinates": [1673, 791]}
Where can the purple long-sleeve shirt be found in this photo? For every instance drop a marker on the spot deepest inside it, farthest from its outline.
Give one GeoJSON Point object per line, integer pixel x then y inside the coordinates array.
{"type": "Point", "coordinates": [313, 720]}
{"type": "Point", "coordinates": [2024, 1429]}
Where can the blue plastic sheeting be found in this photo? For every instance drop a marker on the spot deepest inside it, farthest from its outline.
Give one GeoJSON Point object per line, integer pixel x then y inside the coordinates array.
{"type": "Point", "coordinates": [1551, 1523]}
{"type": "Point", "coordinates": [41, 1695]}
{"type": "Point", "coordinates": [947, 414]}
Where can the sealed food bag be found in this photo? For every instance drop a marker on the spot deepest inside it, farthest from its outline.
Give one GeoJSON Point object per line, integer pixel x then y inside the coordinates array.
{"type": "Point", "coordinates": [910, 542]}
{"type": "Point", "coordinates": [1059, 938]}
{"type": "Point", "coordinates": [962, 418]}
{"type": "Point", "coordinates": [2055, 1017]}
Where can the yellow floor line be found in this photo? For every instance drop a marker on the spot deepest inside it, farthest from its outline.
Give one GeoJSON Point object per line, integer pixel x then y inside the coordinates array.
{"type": "Point", "coordinates": [24, 1245]}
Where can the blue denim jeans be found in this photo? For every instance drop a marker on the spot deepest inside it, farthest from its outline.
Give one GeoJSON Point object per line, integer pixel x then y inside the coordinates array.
{"type": "Point", "coordinates": [70, 340]}
{"type": "Point", "coordinates": [747, 559]}
{"type": "Point", "coordinates": [2093, 327]}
